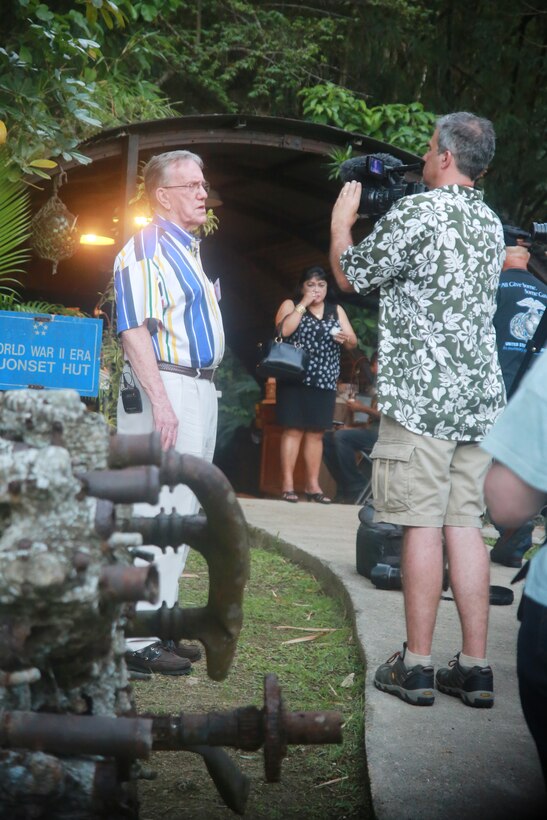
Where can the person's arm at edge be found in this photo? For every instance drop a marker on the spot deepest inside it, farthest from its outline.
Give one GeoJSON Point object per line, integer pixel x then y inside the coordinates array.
{"type": "Point", "coordinates": [510, 500]}
{"type": "Point", "coordinates": [139, 350]}
{"type": "Point", "coordinates": [356, 407]}
{"type": "Point", "coordinates": [344, 216]}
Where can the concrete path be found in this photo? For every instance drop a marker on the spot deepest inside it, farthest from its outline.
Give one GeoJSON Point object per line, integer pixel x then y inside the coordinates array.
{"type": "Point", "coordinates": [447, 761]}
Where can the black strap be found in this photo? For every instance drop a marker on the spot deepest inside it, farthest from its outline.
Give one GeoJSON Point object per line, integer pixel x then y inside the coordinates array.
{"type": "Point", "coordinates": [278, 333]}
{"type": "Point", "coordinates": [533, 346]}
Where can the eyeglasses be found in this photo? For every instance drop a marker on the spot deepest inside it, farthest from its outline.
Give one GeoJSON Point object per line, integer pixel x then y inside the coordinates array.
{"type": "Point", "coordinates": [192, 186]}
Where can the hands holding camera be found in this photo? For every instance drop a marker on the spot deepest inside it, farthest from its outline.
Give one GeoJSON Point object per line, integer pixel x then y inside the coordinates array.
{"type": "Point", "coordinates": [344, 215]}
{"type": "Point", "coordinates": [344, 212]}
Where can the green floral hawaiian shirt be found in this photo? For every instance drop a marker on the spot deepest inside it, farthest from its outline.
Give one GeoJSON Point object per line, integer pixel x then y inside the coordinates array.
{"type": "Point", "coordinates": [437, 258]}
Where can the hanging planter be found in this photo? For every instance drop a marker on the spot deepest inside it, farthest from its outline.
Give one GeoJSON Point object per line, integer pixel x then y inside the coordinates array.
{"type": "Point", "coordinates": [54, 235]}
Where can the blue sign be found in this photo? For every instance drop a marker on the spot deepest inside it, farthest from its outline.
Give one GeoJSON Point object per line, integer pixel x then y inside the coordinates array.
{"type": "Point", "coordinates": [45, 350]}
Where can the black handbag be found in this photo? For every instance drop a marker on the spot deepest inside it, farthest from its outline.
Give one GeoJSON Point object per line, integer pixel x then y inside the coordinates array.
{"type": "Point", "coordinates": [283, 360]}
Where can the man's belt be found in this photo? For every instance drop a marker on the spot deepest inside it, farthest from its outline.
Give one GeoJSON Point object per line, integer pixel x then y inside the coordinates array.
{"type": "Point", "coordinates": [207, 373]}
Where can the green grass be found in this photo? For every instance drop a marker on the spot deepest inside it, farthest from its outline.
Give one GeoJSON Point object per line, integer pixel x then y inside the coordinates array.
{"type": "Point", "coordinates": [311, 675]}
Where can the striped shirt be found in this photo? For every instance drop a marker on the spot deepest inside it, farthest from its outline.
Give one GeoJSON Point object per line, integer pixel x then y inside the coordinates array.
{"type": "Point", "coordinates": [158, 275]}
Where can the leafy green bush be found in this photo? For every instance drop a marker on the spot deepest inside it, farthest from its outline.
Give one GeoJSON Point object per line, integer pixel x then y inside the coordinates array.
{"type": "Point", "coordinates": [240, 392]}
{"type": "Point", "coordinates": [408, 126]}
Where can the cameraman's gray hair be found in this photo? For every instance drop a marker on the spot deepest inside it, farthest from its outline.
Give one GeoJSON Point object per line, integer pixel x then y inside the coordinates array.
{"type": "Point", "coordinates": [155, 170]}
{"type": "Point", "coordinates": [470, 139]}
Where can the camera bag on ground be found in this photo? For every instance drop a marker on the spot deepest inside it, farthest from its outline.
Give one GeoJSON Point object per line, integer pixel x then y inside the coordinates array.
{"type": "Point", "coordinates": [376, 543]}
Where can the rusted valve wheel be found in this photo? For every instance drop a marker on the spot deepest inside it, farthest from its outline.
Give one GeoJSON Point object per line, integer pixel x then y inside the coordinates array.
{"type": "Point", "coordinates": [275, 746]}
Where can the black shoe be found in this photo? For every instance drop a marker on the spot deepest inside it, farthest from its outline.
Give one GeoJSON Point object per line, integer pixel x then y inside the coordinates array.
{"type": "Point", "coordinates": [475, 686]}
{"type": "Point", "coordinates": [505, 559]}
{"type": "Point", "coordinates": [318, 498]}
{"type": "Point", "coordinates": [155, 658]}
{"type": "Point", "coordinates": [183, 650]}
{"type": "Point", "coordinates": [415, 685]}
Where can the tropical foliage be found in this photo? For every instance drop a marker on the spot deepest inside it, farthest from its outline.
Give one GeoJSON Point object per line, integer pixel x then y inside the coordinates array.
{"type": "Point", "coordinates": [69, 67]}
{"type": "Point", "coordinates": [407, 126]}
{"type": "Point", "coordinates": [14, 226]}
{"type": "Point", "coordinates": [240, 393]}
{"type": "Point", "coordinates": [58, 86]}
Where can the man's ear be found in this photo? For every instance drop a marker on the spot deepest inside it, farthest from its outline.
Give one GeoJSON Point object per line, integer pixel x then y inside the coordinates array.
{"type": "Point", "coordinates": [162, 197]}
{"type": "Point", "coordinates": [446, 160]}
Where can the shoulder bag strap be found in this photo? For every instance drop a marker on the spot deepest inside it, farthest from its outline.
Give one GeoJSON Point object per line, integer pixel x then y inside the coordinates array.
{"type": "Point", "coordinates": [533, 345]}
{"type": "Point", "coordinates": [297, 342]}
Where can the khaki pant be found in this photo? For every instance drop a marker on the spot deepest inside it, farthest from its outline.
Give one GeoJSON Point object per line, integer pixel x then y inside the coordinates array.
{"type": "Point", "coordinates": [420, 481]}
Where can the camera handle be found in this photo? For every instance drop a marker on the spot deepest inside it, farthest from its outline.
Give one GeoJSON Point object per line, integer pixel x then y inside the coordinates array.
{"type": "Point", "coordinates": [415, 166]}
{"type": "Point", "coordinates": [533, 345]}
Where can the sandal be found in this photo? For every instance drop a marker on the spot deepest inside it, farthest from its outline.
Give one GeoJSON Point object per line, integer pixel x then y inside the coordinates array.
{"type": "Point", "coordinates": [290, 495]}
{"type": "Point", "coordinates": [319, 498]}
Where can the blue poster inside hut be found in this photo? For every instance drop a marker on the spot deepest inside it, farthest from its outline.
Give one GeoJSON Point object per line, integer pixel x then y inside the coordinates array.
{"type": "Point", "coordinates": [49, 351]}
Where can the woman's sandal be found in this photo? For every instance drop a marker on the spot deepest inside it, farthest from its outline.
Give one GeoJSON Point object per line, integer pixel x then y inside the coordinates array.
{"type": "Point", "coordinates": [319, 498]}
{"type": "Point", "coordinates": [290, 495]}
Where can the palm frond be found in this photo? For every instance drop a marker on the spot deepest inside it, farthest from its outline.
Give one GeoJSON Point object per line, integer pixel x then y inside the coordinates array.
{"type": "Point", "coordinates": [14, 224]}
{"type": "Point", "coordinates": [12, 301]}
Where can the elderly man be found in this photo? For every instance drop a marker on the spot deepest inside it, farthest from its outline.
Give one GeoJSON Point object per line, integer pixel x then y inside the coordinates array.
{"type": "Point", "coordinates": [437, 257]}
{"type": "Point", "coordinates": [173, 340]}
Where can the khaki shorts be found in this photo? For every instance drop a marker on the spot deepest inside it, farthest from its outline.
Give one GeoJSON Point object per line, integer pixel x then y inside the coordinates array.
{"type": "Point", "coordinates": [420, 481]}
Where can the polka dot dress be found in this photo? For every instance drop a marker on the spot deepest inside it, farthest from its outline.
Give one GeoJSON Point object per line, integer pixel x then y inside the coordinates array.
{"type": "Point", "coordinates": [314, 334]}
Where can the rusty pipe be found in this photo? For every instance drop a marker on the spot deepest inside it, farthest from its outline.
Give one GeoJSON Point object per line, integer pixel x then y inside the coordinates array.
{"type": "Point", "coordinates": [76, 734]}
{"type": "Point", "coordinates": [123, 486]}
{"type": "Point", "coordinates": [249, 728]}
{"type": "Point", "coordinates": [128, 451]}
{"type": "Point", "coordinates": [222, 538]}
{"type": "Point", "coordinates": [310, 728]}
{"type": "Point", "coordinates": [171, 529]}
{"type": "Point", "coordinates": [105, 518]}
{"type": "Point", "coordinates": [232, 785]}
{"type": "Point", "coordinates": [239, 728]}
{"type": "Point", "coordinates": [126, 583]}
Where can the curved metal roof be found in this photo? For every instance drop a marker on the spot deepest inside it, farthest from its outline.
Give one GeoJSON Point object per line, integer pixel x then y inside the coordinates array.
{"type": "Point", "coordinates": [272, 176]}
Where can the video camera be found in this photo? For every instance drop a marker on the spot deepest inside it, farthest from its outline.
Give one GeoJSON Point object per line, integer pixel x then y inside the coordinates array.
{"type": "Point", "coordinates": [538, 233]}
{"type": "Point", "coordinates": [382, 178]}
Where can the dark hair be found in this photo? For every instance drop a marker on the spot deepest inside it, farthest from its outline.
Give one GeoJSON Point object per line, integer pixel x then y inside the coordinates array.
{"type": "Point", "coordinates": [316, 272]}
{"type": "Point", "coordinates": [470, 139]}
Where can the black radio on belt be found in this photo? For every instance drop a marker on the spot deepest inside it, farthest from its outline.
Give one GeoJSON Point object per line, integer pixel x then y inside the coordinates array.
{"type": "Point", "coordinates": [130, 393]}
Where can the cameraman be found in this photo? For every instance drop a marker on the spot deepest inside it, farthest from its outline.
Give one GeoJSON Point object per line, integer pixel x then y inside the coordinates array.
{"type": "Point", "coordinates": [437, 257]}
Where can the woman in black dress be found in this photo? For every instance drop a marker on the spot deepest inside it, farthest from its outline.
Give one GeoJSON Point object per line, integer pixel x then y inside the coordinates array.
{"type": "Point", "coordinates": [306, 410]}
